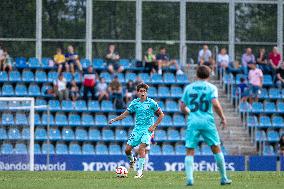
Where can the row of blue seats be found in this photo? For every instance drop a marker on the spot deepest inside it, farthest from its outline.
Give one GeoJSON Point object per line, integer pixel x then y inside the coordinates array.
{"type": "Point", "coordinates": [80, 134]}
{"type": "Point", "coordinates": [230, 79]}
{"type": "Point", "coordinates": [99, 149]}
{"type": "Point", "coordinates": [271, 93]}
{"type": "Point", "coordinates": [34, 90]}
{"type": "Point", "coordinates": [42, 77]}
{"type": "Point", "coordinates": [265, 121]}
{"type": "Point", "coordinates": [259, 107]}
{"type": "Point", "coordinates": [268, 150]}
{"type": "Point", "coordinates": [269, 136]}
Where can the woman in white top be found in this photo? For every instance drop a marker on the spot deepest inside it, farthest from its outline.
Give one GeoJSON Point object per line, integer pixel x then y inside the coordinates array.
{"type": "Point", "coordinates": [223, 58]}
{"type": "Point", "coordinates": [60, 88]}
{"type": "Point", "coordinates": [102, 90]}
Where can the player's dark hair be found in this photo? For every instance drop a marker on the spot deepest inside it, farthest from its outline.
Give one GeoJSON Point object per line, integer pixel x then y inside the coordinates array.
{"type": "Point", "coordinates": [203, 72]}
{"type": "Point", "coordinates": [142, 86]}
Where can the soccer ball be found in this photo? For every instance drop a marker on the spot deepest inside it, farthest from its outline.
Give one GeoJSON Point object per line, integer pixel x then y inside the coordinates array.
{"type": "Point", "coordinates": [121, 172]}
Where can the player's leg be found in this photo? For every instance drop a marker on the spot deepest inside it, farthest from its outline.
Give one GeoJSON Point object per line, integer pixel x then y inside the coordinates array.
{"type": "Point", "coordinates": [141, 160]}
{"type": "Point", "coordinates": [146, 158]}
{"type": "Point", "coordinates": [128, 152]}
{"type": "Point", "coordinates": [133, 141]}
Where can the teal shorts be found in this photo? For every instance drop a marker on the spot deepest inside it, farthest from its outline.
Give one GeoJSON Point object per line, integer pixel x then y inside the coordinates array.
{"type": "Point", "coordinates": [137, 138]}
{"type": "Point", "coordinates": [205, 128]}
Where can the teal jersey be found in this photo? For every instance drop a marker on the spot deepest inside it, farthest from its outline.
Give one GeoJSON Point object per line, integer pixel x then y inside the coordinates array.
{"type": "Point", "coordinates": [144, 113]}
{"type": "Point", "coordinates": [198, 98]}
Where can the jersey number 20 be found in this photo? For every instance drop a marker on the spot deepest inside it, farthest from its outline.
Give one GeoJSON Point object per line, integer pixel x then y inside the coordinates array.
{"type": "Point", "coordinates": [202, 104]}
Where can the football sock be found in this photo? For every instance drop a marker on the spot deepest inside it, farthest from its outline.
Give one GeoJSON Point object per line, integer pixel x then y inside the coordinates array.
{"type": "Point", "coordinates": [219, 158]}
{"type": "Point", "coordinates": [146, 161]}
{"type": "Point", "coordinates": [141, 162]}
{"type": "Point", "coordinates": [130, 157]}
{"type": "Point", "coordinates": [189, 167]}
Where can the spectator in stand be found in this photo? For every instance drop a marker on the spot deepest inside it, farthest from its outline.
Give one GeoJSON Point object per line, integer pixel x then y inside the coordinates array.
{"type": "Point", "coordinates": [246, 58]}
{"type": "Point", "coordinates": [150, 61]}
{"type": "Point", "coordinates": [223, 59]}
{"type": "Point", "coordinates": [274, 59]}
{"type": "Point", "coordinates": [115, 89]}
{"type": "Point", "coordinates": [204, 54]}
{"type": "Point", "coordinates": [280, 76]}
{"type": "Point", "coordinates": [234, 67]}
{"type": "Point", "coordinates": [130, 91]}
{"type": "Point", "coordinates": [59, 60]}
{"type": "Point", "coordinates": [243, 91]}
{"type": "Point", "coordinates": [163, 60]}
{"type": "Point", "coordinates": [89, 83]}
{"type": "Point", "coordinates": [262, 62]}
{"type": "Point", "coordinates": [102, 90]}
{"type": "Point", "coordinates": [7, 63]}
{"type": "Point", "coordinates": [60, 88]}
{"type": "Point", "coordinates": [255, 80]}
{"type": "Point", "coordinates": [2, 57]}
{"type": "Point", "coordinates": [74, 91]}
{"type": "Point", "coordinates": [112, 59]}
{"type": "Point", "coordinates": [281, 145]}
{"type": "Point", "coordinates": [72, 58]}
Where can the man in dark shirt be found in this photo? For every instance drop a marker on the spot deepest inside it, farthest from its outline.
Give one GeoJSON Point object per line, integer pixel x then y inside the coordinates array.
{"type": "Point", "coordinates": [262, 62]}
{"type": "Point", "coordinates": [112, 59]}
{"type": "Point", "coordinates": [280, 75]}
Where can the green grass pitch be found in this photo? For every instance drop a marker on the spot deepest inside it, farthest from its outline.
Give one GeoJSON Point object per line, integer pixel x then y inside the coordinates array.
{"type": "Point", "coordinates": [162, 180]}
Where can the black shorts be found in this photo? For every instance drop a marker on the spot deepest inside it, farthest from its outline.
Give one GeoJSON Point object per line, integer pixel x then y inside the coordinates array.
{"type": "Point", "coordinates": [151, 65]}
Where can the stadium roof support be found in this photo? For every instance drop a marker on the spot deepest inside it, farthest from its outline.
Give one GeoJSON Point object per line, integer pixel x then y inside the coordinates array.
{"type": "Point", "coordinates": [39, 29]}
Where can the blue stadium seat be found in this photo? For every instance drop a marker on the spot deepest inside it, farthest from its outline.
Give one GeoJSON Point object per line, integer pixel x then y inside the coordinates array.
{"type": "Point", "coordinates": [37, 149]}
{"type": "Point", "coordinates": [176, 92]}
{"type": "Point", "coordinates": [168, 149]}
{"type": "Point", "coordinates": [28, 76]}
{"type": "Point", "coordinates": [67, 134]}
{"type": "Point", "coordinates": [182, 79]}
{"type": "Point", "coordinates": [3, 105]}
{"type": "Point", "coordinates": [145, 77]}
{"type": "Point", "coordinates": [120, 135]}
{"type": "Point", "coordinates": [94, 135]}
{"type": "Point", "coordinates": [267, 80]}
{"type": "Point", "coordinates": [98, 63]}
{"type": "Point", "coordinates": [260, 136]}
{"type": "Point", "coordinates": [14, 133]}
{"type": "Point", "coordinates": [206, 150]}
{"type": "Point", "coordinates": [34, 90]}
{"type": "Point", "coordinates": [244, 107]}
{"type": "Point", "coordinates": [238, 78]}
{"type": "Point", "coordinates": [74, 120]}
{"type": "Point", "coordinates": [106, 76]}
{"type": "Point", "coordinates": [21, 90]}
{"type": "Point", "coordinates": [101, 149]}
{"type": "Point", "coordinates": [228, 78]}
{"type": "Point", "coordinates": [13, 104]}
{"type": "Point", "coordinates": [74, 148]}
{"type": "Point", "coordinates": [88, 149]}
{"type": "Point", "coordinates": [130, 76]}
{"type": "Point", "coordinates": [3, 76]}
{"type": "Point", "coordinates": [40, 77]}
{"type": "Point", "coordinates": [161, 105]}
{"type": "Point", "coordinates": [178, 120]}
{"type": "Point", "coordinates": [180, 149]}
{"type": "Point", "coordinates": [264, 121]}
{"type": "Point", "coordinates": [100, 120]}
{"type": "Point", "coordinates": [269, 107]}
{"type": "Point", "coordinates": [164, 92]}
{"type": "Point", "coordinates": [45, 149]}
{"type": "Point", "coordinates": [117, 123]}
{"type": "Point", "coordinates": [257, 107]}
{"type": "Point", "coordinates": [3, 133]}
{"type": "Point", "coordinates": [54, 134]}
{"type": "Point", "coordinates": [167, 121]}
{"type": "Point", "coordinates": [252, 121]}
{"type": "Point", "coordinates": [52, 76]}
{"type": "Point", "coordinates": [93, 106]}
{"type": "Point", "coordinates": [45, 63]}
{"type": "Point", "coordinates": [268, 150]}
{"type": "Point", "coordinates": [40, 133]}
{"type": "Point", "coordinates": [171, 106]}
{"type": "Point", "coordinates": [173, 135]}
{"type": "Point", "coordinates": [107, 135]}
{"type": "Point", "coordinates": [114, 149]}
{"type": "Point", "coordinates": [87, 120]}
{"type": "Point", "coordinates": [66, 105]}
{"type": "Point", "coordinates": [44, 119]}
{"type": "Point", "coordinates": [263, 94]}
{"type": "Point", "coordinates": [7, 90]}
{"type": "Point", "coordinates": [160, 135]}
{"type": "Point", "coordinates": [21, 119]}
{"type": "Point", "coordinates": [61, 148]}
{"type": "Point", "coordinates": [81, 106]}
{"type": "Point", "coordinates": [152, 92]}
{"type": "Point", "coordinates": [277, 121]}
{"type": "Point", "coordinates": [7, 119]}
{"type": "Point", "coordinates": [61, 119]}
{"type": "Point", "coordinates": [155, 150]}
{"type": "Point", "coordinates": [21, 148]}
{"type": "Point", "coordinates": [81, 134]}
{"type": "Point", "coordinates": [128, 121]}
{"type": "Point", "coordinates": [272, 136]}
{"type": "Point", "coordinates": [156, 79]}
{"type": "Point", "coordinates": [274, 93]}
{"type": "Point", "coordinates": [280, 107]}
{"type": "Point", "coordinates": [34, 63]}
{"type": "Point", "coordinates": [40, 102]}
{"type": "Point", "coordinates": [7, 148]}
{"type": "Point", "coordinates": [77, 77]}
{"type": "Point", "coordinates": [106, 106]}
{"type": "Point", "coordinates": [21, 62]}
{"type": "Point", "coordinates": [44, 89]}
{"type": "Point", "coordinates": [169, 78]}
{"type": "Point", "coordinates": [68, 76]}
{"type": "Point", "coordinates": [124, 63]}
{"type": "Point", "coordinates": [54, 105]}
{"type": "Point", "coordinates": [85, 63]}
{"type": "Point", "coordinates": [120, 77]}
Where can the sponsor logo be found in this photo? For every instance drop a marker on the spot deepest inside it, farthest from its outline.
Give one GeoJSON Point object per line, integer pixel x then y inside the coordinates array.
{"type": "Point", "coordinates": [37, 167]}
{"type": "Point", "coordinates": [198, 166]}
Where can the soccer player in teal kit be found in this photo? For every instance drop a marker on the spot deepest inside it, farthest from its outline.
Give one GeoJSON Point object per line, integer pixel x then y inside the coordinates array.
{"type": "Point", "coordinates": [145, 108]}
{"type": "Point", "coordinates": [197, 101]}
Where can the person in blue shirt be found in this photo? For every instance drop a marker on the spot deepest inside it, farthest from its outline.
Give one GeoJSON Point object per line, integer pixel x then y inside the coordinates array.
{"type": "Point", "coordinates": [198, 100]}
{"type": "Point", "coordinates": [72, 59]}
{"type": "Point", "coordinates": [144, 108]}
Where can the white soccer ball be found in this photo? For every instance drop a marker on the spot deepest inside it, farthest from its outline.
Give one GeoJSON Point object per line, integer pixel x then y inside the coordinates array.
{"type": "Point", "coordinates": [121, 171]}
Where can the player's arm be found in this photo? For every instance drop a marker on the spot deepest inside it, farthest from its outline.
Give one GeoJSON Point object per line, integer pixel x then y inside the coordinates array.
{"type": "Point", "coordinates": [184, 109]}
{"type": "Point", "coordinates": [218, 109]}
{"type": "Point", "coordinates": [120, 117]}
{"type": "Point", "coordinates": [160, 118]}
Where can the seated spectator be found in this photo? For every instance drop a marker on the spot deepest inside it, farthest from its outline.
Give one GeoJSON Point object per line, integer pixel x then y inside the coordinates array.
{"type": "Point", "coordinates": [115, 89]}
{"type": "Point", "coordinates": [274, 59]}
{"type": "Point", "coordinates": [281, 145]}
{"type": "Point", "coordinates": [246, 58]}
{"type": "Point", "coordinates": [205, 58]}
{"type": "Point", "coordinates": [112, 59]}
{"type": "Point", "coordinates": [164, 61]}
{"type": "Point", "coordinates": [243, 91]}
{"type": "Point", "coordinates": [150, 61]}
{"type": "Point", "coordinates": [59, 60]}
{"type": "Point", "coordinates": [130, 91]}
{"type": "Point", "coordinates": [7, 62]}
{"type": "Point", "coordinates": [102, 90]}
{"type": "Point", "coordinates": [223, 59]}
{"type": "Point", "coordinates": [255, 80]}
{"type": "Point", "coordinates": [262, 62]}
{"type": "Point", "coordinates": [234, 67]}
{"type": "Point", "coordinates": [60, 88]}
{"type": "Point", "coordinates": [72, 58]}
{"type": "Point", "coordinates": [74, 91]}
{"type": "Point", "coordinates": [89, 82]}
{"type": "Point", "coordinates": [280, 76]}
